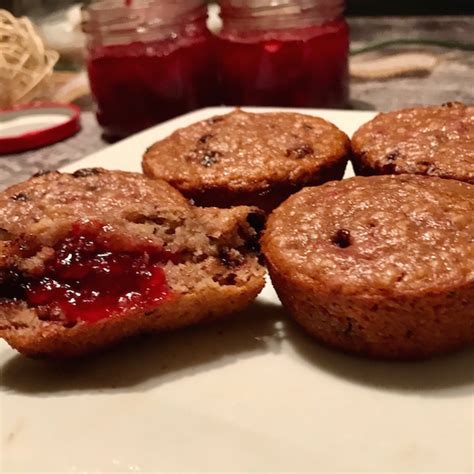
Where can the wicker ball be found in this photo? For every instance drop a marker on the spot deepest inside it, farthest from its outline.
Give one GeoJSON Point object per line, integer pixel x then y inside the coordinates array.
{"type": "Point", "coordinates": [25, 65]}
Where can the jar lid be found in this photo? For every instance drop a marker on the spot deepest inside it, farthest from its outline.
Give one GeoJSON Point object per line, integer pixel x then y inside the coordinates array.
{"type": "Point", "coordinates": [30, 126]}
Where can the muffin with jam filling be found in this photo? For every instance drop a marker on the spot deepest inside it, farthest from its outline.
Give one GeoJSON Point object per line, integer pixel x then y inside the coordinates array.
{"type": "Point", "coordinates": [90, 258]}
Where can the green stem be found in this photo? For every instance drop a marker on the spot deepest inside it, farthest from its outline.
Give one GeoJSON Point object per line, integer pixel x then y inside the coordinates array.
{"type": "Point", "coordinates": [424, 42]}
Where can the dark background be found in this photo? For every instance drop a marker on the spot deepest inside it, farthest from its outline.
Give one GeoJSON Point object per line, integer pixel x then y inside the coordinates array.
{"type": "Point", "coordinates": [410, 7]}
{"type": "Point", "coordinates": [355, 7]}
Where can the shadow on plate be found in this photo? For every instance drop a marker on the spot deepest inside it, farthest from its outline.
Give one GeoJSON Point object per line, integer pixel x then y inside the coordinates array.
{"type": "Point", "coordinates": [444, 376]}
{"type": "Point", "coordinates": [148, 361]}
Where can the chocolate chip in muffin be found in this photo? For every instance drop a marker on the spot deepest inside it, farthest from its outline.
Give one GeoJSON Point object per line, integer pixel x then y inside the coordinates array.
{"type": "Point", "coordinates": [300, 151]}
{"type": "Point", "coordinates": [229, 279]}
{"type": "Point", "coordinates": [388, 168]}
{"type": "Point", "coordinates": [214, 120]}
{"type": "Point", "coordinates": [21, 197]}
{"type": "Point", "coordinates": [256, 220]}
{"type": "Point", "coordinates": [204, 157]}
{"type": "Point", "coordinates": [205, 138]}
{"type": "Point", "coordinates": [428, 167]}
{"type": "Point", "coordinates": [86, 172]}
{"type": "Point", "coordinates": [392, 156]}
{"type": "Point", "coordinates": [348, 330]}
{"type": "Point", "coordinates": [210, 158]}
{"type": "Point", "coordinates": [230, 258]}
{"type": "Point", "coordinates": [342, 238]}
{"type": "Point", "coordinates": [5, 235]}
{"type": "Point", "coordinates": [449, 105]}
{"type": "Point", "coordinates": [41, 173]}
{"type": "Point", "coordinates": [11, 287]}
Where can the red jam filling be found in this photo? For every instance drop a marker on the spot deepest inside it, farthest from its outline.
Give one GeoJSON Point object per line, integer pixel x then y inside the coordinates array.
{"type": "Point", "coordinates": [305, 67]}
{"type": "Point", "coordinates": [88, 282]}
{"type": "Point", "coordinates": [138, 85]}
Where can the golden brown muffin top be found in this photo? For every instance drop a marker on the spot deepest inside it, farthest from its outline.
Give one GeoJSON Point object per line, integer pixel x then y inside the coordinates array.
{"type": "Point", "coordinates": [437, 141]}
{"type": "Point", "coordinates": [376, 235]}
{"type": "Point", "coordinates": [243, 151]}
{"type": "Point", "coordinates": [46, 204]}
{"type": "Point", "coordinates": [129, 210]}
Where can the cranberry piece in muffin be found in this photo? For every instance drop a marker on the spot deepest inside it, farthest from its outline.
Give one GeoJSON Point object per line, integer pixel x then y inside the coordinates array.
{"type": "Point", "coordinates": [381, 266]}
{"type": "Point", "coordinates": [433, 141]}
{"type": "Point", "coordinates": [252, 159]}
{"type": "Point", "coordinates": [89, 258]}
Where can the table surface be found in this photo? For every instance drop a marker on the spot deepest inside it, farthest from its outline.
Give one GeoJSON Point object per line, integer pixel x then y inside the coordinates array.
{"type": "Point", "coordinates": [451, 80]}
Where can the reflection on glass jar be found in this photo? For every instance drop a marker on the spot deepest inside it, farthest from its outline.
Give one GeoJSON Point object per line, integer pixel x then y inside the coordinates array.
{"type": "Point", "coordinates": [284, 53]}
{"type": "Point", "coordinates": [148, 61]}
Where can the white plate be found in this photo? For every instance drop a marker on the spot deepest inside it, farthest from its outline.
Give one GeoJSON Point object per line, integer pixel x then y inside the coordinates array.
{"type": "Point", "coordinates": [251, 394]}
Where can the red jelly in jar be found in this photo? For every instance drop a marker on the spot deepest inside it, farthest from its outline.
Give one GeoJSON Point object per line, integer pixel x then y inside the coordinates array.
{"type": "Point", "coordinates": [148, 61]}
{"type": "Point", "coordinates": [291, 53]}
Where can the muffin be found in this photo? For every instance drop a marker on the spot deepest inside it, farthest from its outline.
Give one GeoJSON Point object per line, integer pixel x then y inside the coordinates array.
{"type": "Point", "coordinates": [381, 266]}
{"type": "Point", "coordinates": [434, 141]}
{"type": "Point", "coordinates": [243, 158]}
{"type": "Point", "coordinates": [93, 257]}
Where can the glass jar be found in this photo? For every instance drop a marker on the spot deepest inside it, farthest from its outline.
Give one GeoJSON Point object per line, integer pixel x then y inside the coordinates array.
{"type": "Point", "coordinates": [148, 61]}
{"type": "Point", "coordinates": [291, 53]}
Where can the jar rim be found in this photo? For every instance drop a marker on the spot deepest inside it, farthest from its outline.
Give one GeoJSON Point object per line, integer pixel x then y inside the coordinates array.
{"type": "Point", "coordinates": [118, 15]}
{"type": "Point", "coordinates": [274, 4]}
{"type": "Point", "coordinates": [131, 5]}
{"type": "Point", "coordinates": [276, 14]}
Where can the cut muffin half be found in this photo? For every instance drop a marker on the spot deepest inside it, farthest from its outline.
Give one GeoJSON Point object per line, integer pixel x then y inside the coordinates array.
{"type": "Point", "coordinates": [89, 258]}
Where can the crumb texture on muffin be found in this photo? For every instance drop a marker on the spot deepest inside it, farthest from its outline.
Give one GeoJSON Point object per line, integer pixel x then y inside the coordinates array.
{"type": "Point", "coordinates": [241, 153]}
{"type": "Point", "coordinates": [434, 141]}
{"type": "Point", "coordinates": [382, 265]}
{"type": "Point", "coordinates": [89, 258]}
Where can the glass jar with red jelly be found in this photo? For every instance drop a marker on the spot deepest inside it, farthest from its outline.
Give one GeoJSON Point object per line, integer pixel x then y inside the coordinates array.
{"type": "Point", "coordinates": [291, 53]}
{"type": "Point", "coordinates": [148, 61]}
